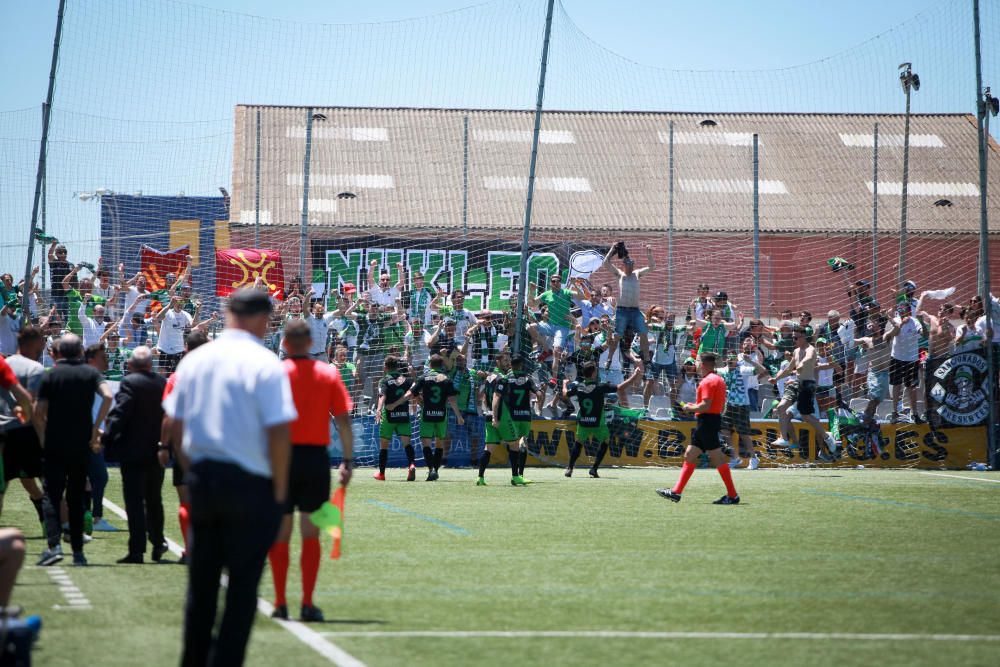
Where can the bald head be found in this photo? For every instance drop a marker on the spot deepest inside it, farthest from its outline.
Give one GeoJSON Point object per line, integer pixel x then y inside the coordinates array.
{"type": "Point", "coordinates": [70, 346]}
{"type": "Point", "coordinates": [142, 359]}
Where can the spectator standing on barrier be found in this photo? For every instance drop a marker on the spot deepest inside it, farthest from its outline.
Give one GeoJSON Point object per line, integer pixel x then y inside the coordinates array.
{"type": "Point", "coordinates": [711, 399]}
{"type": "Point", "coordinates": [231, 408]}
{"type": "Point", "coordinates": [802, 393]}
{"type": "Point", "coordinates": [59, 268]}
{"type": "Point", "coordinates": [318, 393]}
{"type": "Point", "coordinates": [628, 316]}
{"type": "Point", "coordinates": [904, 332]}
{"type": "Point", "coordinates": [71, 434]}
{"type": "Point", "coordinates": [133, 438]}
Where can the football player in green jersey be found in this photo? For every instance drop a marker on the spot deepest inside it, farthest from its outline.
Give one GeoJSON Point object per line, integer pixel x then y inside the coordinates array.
{"type": "Point", "coordinates": [591, 428]}
{"type": "Point", "coordinates": [512, 416]}
{"type": "Point", "coordinates": [436, 393]}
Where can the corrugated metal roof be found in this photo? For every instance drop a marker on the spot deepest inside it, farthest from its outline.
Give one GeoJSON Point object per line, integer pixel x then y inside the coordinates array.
{"type": "Point", "coordinates": [413, 169]}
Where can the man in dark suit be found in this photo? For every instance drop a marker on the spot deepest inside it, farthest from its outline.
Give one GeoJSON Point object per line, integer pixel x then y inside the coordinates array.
{"type": "Point", "coordinates": [132, 438]}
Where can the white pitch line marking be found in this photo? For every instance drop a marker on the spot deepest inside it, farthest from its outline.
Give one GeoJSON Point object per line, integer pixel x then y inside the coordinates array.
{"type": "Point", "coordinates": [974, 479]}
{"type": "Point", "coordinates": [303, 633]}
{"type": "Point", "coordinates": [70, 593]}
{"type": "Point", "coordinates": [615, 634]}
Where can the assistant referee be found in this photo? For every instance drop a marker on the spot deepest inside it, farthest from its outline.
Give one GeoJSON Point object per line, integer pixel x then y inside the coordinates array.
{"type": "Point", "coordinates": [318, 392]}
{"type": "Point", "coordinates": [231, 410]}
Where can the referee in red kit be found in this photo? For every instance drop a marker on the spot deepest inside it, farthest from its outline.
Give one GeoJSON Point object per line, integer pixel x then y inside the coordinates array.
{"type": "Point", "coordinates": [709, 404]}
{"type": "Point", "coordinates": [318, 392]}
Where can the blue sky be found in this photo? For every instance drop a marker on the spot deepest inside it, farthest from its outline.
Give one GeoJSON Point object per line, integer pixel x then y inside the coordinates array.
{"type": "Point", "coordinates": [719, 35]}
{"type": "Point", "coordinates": [146, 90]}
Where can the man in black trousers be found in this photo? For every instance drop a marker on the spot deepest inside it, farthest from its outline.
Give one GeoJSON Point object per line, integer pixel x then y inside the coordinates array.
{"type": "Point", "coordinates": [132, 438]}
{"type": "Point", "coordinates": [230, 409]}
{"type": "Point", "coordinates": [64, 413]}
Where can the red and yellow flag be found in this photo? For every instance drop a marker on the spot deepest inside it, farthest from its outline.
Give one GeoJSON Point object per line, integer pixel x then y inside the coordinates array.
{"type": "Point", "coordinates": [240, 267]}
{"type": "Point", "coordinates": [155, 265]}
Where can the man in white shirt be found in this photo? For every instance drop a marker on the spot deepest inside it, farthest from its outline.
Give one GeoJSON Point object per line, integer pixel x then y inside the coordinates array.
{"type": "Point", "coordinates": [380, 292]}
{"type": "Point", "coordinates": [319, 327]}
{"type": "Point", "coordinates": [170, 342]}
{"type": "Point", "coordinates": [93, 327]}
{"type": "Point", "coordinates": [904, 332]}
{"type": "Point", "coordinates": [231, 408]}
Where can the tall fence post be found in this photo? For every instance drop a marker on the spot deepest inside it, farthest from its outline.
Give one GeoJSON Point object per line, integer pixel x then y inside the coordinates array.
{"type": "Point", "coordinates": [909, 84]}
{"type": "Point", "coordinates": [982, 112]}
{"type": "Point", "coordinates": [256, 202]}
{"type": "Point", "coordinates": [756, 226]}
{"type": "Point", "coordinates": [42, 150]}
{"type": "Point", "coordinates": [670, 219]}
{"type": "Point", "coordinates": [465, 176]}
{"type": "Point", "coordinates": [304, 225]}
{"type": "Point", "coordinates": [875, 210]}
{"type": "Point", "coordinates": [522, 282]}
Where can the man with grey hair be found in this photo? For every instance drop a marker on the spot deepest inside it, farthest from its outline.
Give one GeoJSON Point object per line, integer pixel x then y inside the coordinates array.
{"type": "Point", "coordinates": [133, 438]}
{"type": "Point", "coordinates": [70, 433]}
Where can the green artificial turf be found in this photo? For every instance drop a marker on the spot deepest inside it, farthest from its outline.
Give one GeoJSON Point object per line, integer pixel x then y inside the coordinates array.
{"type": "Point", "coordinates": [807, 551]}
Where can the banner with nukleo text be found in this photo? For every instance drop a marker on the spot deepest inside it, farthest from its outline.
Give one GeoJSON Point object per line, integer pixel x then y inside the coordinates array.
{"type": "Point", "coordinates": [958, 386]}
{"type": "Point", "coordinates": [486, 270]}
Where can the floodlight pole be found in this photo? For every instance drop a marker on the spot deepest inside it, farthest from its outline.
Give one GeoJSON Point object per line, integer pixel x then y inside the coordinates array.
{"type": "Point", "coordinates": [756, 226]}
{"type": "Point", "coordinates": [983, 111]}
{"type": "Point", "coordinates": [42, 149]}
{"type": "Point", "coordinates": [670, 220]}
{"type": "Point", "coordinates": [875, 210]}
{"type": "Point", "coordinates": [522, 288]}
{"type": "Point", "coordinates": [465, 176]}
{"type": "Point", "coordinates": [256, 203]}
{"type": "Point", "coordinates": [304, 225]}
{"type": "Point", "coordinates": [907, 78]}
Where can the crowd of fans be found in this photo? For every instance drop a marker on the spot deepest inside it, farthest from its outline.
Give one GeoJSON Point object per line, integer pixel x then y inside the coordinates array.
{"type": "Point", "coordinates": [878, 352]}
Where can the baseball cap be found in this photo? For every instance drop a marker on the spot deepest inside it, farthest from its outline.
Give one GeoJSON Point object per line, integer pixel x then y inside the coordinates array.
{"type": "Point", "coordinates": [822, 340]}
{"type": "Point", "coordinates": [720, 295]}
{"type": "Point", "coordinates": [863, 283]}
{"type": "Point", "coordinates": [909, 285]}
{"type": "Point", "coordinates": [249, 301]}
{"type": "Point", "coordinates": [348, 288]}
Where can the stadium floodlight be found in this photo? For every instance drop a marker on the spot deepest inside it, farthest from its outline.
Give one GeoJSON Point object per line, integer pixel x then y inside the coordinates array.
{"type": "Point", "coordinates": [907, 78]}
{"type": "Point", "coordinates": [992, 103]}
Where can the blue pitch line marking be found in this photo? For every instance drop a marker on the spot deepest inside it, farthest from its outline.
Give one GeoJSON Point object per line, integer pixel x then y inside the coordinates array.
{"type": "Point", "coordinates": [458, 530]}
{"type": "Point", "coordinates": [899, 503]}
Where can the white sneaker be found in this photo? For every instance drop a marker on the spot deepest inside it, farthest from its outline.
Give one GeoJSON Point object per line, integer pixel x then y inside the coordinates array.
{"type": "Point", "coordinates": [780, 442]}
{"type": "Point", "coordinates": [735, 462]}
{"type": "Point", "coordinates": [754, 463]}
{"type": "Point", "coordinates": [832, 443]}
